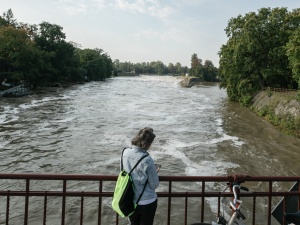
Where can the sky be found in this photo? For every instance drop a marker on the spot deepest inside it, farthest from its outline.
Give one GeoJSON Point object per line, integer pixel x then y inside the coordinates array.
{"type": "Point", "coordinates": [138, 31]}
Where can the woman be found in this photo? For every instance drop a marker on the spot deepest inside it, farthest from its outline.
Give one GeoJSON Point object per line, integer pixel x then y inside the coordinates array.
{"type": "Point", "coordinates": [144, 177]}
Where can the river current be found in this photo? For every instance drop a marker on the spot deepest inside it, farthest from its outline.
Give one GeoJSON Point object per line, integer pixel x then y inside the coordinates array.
{"type": "Point", "coordinates": [83, 129]}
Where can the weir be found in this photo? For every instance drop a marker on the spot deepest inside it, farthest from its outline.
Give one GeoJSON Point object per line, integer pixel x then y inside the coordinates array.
{"type": "Point", "coordinates": [23, 186]}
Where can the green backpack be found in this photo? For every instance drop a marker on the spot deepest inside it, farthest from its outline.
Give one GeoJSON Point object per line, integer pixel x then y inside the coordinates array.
{"type": "Point", "coordinates": [122, 201]}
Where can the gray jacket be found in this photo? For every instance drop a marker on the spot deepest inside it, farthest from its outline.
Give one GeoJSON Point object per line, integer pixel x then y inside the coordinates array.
{"type": "Point", "coordinates": [144, 170]}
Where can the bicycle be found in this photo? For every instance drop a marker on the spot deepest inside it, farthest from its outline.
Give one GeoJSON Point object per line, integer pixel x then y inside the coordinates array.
{"type": "Point", "coordinates": [237, 217]}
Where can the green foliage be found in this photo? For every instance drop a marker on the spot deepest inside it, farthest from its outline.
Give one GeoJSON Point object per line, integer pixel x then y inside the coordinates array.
{"type": "Point", "coordinates": [293, 53]}
{"type": "Point", "coordinates": [18, 54]}
{"type": "Point", "coordinates": [264, 111]}
{"type": "Point", "coordinates": [154, 67]}
{"type": "Point", "coordinates": [269, 93]}
{"type": "Point", "coordinates": [206, 72]}
{"type": "Point", "coordinates": [287, 123]}
{"type": "Point", "coordinates": [98, 66]}
{"type": "Point", "coordinates": [255, 53]}
{"type": "Point", "coordinates": [246, 100]}
{"type": "Point", "coordinates": [8, 19]}
{"type": "Point", "coordinates": [40, 54]}
{"type": "Point", "coordinates": [196, 67]}
{"type": "Point", "coordinates": [210, 72]}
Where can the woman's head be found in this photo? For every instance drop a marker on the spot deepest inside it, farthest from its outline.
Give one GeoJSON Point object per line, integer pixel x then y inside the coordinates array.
{"type": "Point", "coordinates": [144, 138]}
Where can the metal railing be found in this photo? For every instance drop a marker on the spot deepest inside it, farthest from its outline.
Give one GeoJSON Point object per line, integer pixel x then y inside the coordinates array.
{"type": "Point", "coordinates": [286, 90]}
{"type": "Point", "coordinates": [32, 190]}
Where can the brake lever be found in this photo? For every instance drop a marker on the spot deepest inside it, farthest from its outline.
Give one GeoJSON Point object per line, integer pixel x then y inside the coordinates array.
{"type": "Point", "coordinates": [244, 188]}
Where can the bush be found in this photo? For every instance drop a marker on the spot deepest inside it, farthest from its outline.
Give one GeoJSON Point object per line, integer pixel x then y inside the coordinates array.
{"type": "Point", "coordinates": [246, 100]}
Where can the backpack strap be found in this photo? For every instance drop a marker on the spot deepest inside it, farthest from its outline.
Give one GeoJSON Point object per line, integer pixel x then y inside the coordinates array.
{"type": "Point", "coordinates": [137, 201]}
{"type": "Point", "coordinates": [122, 159]}
{"type": "Point", "coordinates": [144, 156]}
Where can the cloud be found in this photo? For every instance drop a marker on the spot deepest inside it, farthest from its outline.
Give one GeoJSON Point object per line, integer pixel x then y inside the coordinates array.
{"type": "Point", "coordinates": [72, 8]}
{"type": "Point", "coordinates": [100, 4]}
{"type": "Point", "coordinates": [151, 7]}
{"type": "Point", "coordinates": [81, 6]}
{"type": "Point", "coordinates": [172, 34]}
{"type": "Point", "coordinates": [78, 9]}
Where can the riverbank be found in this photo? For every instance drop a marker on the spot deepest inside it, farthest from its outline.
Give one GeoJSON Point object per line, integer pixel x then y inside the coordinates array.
{"type": "Point", "coordinates": [282, 109]}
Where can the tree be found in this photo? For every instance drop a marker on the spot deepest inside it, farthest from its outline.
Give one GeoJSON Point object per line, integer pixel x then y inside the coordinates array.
{"type": "Point", "coordinates": [184, 70]}
{"type": "Point", "coordinates": [196, 66]}
{"type": "Point", "coordinates": [20, 58]}
{"type": "Point", "coordinates": [210, 72]}
{"type": "Point", "coordinates": [159, 67]}
{"type": "Point", "coordinates": [40, 54]}
{"type": "Point", "coordinates": [178, 68]}
{"type": "Point", "coordinates": [51, 39]}
{"type": "Point", "coordinates": [254, 55]}
{"type": "Point", "coordinates": [293, 53]}
{"type": "Point", "coordinates": [98, 65]}
{"type": "Point", "coordinates": [8, 19]}
{"type": "Point", "coordinates": [171, 68]}
{"type": "Point", "coordinates": [293, 50]}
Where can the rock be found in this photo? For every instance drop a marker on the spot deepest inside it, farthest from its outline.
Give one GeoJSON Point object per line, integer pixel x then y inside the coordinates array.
{"type": "Point", "coordinates": [189, 81]}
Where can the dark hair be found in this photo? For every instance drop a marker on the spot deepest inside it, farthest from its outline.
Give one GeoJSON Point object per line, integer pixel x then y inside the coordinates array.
{"type": "Point", "coordinates": [144, 138]}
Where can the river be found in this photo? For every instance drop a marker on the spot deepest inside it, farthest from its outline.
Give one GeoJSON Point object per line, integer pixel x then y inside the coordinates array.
{"type": "Point", "coordinates": [82, 130]}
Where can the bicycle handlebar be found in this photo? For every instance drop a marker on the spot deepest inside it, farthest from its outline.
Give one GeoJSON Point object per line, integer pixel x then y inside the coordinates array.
{"type": "Point", "coordinates": [237, 186]}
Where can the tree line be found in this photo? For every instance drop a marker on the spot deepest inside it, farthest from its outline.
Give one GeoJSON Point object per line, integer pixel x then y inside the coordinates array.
{"type": "Point", "coordinates": [40, 54]}
{"type": "Point", "coordinates": [154, 67]}
{"type": "Point", "coordinates": [206, 71]}
{"type": "Point", "coordinates": [262, 50]}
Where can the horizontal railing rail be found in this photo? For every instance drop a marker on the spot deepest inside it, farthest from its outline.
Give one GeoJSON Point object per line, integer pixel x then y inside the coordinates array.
{"type": "Point", "coordinates": [68, 187]}
{"type": "Point", "coordinates": [280, 89]}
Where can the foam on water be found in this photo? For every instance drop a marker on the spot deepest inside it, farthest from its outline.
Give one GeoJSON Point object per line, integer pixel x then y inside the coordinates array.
{"type": "Point", "coordinates": [222, 136]}
{"type": "Point", "coordinates": [9, 115]}
{"type": "Point", "coordinates": [175, 149]}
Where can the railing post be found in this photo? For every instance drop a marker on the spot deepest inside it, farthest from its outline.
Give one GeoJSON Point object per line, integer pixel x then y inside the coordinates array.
{"type": "Point", "coordinates": [117, 218]}
{"type": "Point", "coordinates": [26, 202]}
{"type": "Point", "coordinates": [169, 202]}
{"type": "Point", "coordinates": [45, 209]}
{"type": "Point", "coordinates": [185, 208]}
{"type": "Point", "coordinates": [63, 209]}
{"type": "Point", "coordinates": [7, 206]}
{"type": "Point", "coordinates": [270, 202]}
{"type": "Point", "coordinates": [219, 204]}
{"type": "Point", "coordinates": [254, 207]}
{"type": "Point", "coordinates": [284, 209]}
{"type": "Point", "coordinates": [100, 203]}
{"type": "Point", "coordinates": [202, 201]}
{"type": "Point", "coordinates": [81, 209]}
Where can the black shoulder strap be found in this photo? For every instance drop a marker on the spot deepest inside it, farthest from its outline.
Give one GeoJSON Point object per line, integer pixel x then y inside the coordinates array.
{"type": "Point", "coordinates": [144, 156]}
{"type": "Point", "coordinates": [137, 201]}
{"type": "Point", "coordinates": [135, 164]}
